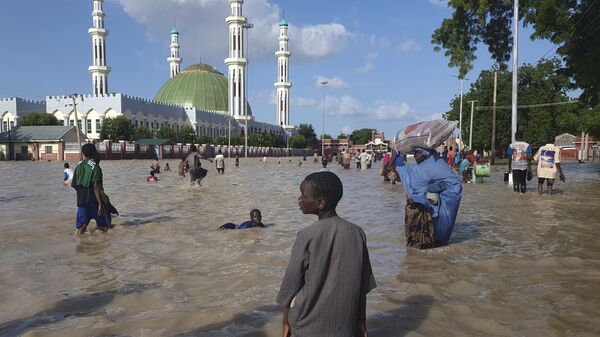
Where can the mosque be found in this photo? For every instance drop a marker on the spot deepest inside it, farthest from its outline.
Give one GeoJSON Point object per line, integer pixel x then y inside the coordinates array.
{"type": "Point", "coordinates": [198, 95]}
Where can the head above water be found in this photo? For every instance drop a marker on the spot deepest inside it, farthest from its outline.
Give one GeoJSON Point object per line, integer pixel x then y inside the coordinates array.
{"type": "Point", "coordinates": [219, 152]}
{"type": "Point", "coordinates": [320, 192]}
{"type": "Point", "coordinates": [152, 173]}
{"type": "Point", "coordinates": [193, 148]}
{"type": "Point", "coordinates": [89, 151]}
{"type": "Point", "coordinates": [66, 165]}
{"type": "Point", "coordinates": [256, 216]}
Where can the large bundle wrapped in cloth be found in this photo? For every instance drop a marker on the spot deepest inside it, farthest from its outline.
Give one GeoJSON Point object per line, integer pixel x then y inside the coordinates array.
{"type": "Point", "coordinates": [427, 134]}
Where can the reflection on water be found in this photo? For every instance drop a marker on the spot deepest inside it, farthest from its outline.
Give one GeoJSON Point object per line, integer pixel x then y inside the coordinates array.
{"type": "Point", "coordinates": [515, 266]}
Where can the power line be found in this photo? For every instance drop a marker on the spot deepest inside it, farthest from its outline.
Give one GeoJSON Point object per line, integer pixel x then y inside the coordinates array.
{"type": "Point", "coordinates": [526, 106]}
{"type": "Point", "coordinates": [574, 25]}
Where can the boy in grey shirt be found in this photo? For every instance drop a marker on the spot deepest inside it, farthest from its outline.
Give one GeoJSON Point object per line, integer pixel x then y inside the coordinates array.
{"type": "Point", "coordinates": [324, 290]}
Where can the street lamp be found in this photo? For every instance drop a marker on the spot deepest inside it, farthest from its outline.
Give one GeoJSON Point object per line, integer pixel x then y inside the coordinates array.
{"type": "Point", "coordinates": [462, 79]}
{"type": "Point", "coordinates": [246, 26]}
{"type": "Point", "coordinates": [323, 83]}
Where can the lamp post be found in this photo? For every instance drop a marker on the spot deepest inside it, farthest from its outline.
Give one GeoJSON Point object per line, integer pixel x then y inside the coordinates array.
{"type": "Point", "coordinates": [462, 79]}
{"type": "Point", "coordinates": [229, 137]}
{"type": "Point", "coordinates": [323, 83]}
{"type": "Point", "coordinates": [246, 26]}
{"type": "Point", "coordinates": [513, 123]}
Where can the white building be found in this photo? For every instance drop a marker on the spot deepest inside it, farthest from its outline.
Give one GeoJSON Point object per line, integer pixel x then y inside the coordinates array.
{"type": "Point", "coordinates": [211, 106]}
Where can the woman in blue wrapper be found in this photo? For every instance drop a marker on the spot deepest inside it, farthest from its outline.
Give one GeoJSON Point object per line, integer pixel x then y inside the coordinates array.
{"type": "Point", "coordinates": [434, 192]}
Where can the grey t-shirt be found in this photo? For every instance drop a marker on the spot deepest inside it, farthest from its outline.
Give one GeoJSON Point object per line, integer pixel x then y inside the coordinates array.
{"type": "Point", "coordinates": [193, 161]}
{"type": "Point", "coordinates": [329, 274]}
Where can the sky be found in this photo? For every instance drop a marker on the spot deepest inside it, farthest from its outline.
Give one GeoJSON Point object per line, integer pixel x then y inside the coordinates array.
{"type": "Point", "coordinates": [376, 55]}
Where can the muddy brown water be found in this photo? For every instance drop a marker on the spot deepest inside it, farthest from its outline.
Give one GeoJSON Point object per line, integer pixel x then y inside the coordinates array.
{"type": "Point", "coordinates": [515, 266]}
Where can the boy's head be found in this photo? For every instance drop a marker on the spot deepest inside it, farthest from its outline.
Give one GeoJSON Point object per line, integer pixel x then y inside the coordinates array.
{"type": "Point", "coordinates": [193, 148]}
{"type": "Point", "coordinates": [66, 165]}
{"type": "Point", "coordinates": [219, 152]}
{"type": "Point", "coordinates": [320, 191]}
{"type": "Point", "coordinates": [518, 135]}
{"type": "Point", "coordinates": [152, 173]}
{"type": "Point", "coordinates": [89, 151]}
{"type": "Point", "coordinates": [256, 216]}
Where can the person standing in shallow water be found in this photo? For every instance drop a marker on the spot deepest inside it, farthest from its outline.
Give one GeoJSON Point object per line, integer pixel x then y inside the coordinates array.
{"type": "Point", "coordinates": [519, 162]}
{"type": "Point", "coordinates": [237, 160]}
{"type": "Point", "coordinates": [92, 202]}
{"type": "Point", "coordinates": [220, 162]}
{"type": "Point", "coordinates": [548, 158]}
{"type": "Point", "coordinates": [197, 173]}
{"type": "Point", "coordinates": [324, 290]}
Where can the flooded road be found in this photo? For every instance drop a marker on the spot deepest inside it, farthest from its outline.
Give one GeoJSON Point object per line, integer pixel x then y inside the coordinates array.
{"type": "Point", "coordinates": [515, 265]}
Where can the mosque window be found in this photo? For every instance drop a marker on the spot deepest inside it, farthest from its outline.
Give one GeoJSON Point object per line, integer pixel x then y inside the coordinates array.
{"type": "Point", "coordinates": [48, 149]}
{"type": "Point", "coordinates": [24, 150]}
{"type": "Point", "coordinates": [89, 125]}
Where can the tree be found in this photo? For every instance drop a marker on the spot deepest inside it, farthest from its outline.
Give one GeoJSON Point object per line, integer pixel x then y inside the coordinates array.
{"type": "Point", "coordinates": [307, 131]}
{"type": "Point", "coordinates": [117, 128]}
{"type": "Point", "coordinates": [326, 136]}
{"type": "Point", "coordinates": [569, 24]}
{"type": "Point", "coordinates": [538, 84]}
{"type": "Point", "coordinates": [141, 132]}
{"type": "Point", "coordinates": [166, 133]}
{"type": "Point", "coordinates": [342, 136]}
{"type": "Point", "coordinates": [361, 136]}
{"type": "Point", "coordinates": [298, 142]}
{"type": "Point", "coordinates": [186, 134]}
{"type": "Point", "coordinates": [205, 139]}
{"type": "Point", "coordinates": [38, 118]}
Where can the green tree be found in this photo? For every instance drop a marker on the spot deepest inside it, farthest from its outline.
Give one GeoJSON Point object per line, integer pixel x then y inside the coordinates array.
{"type": "Point", "coordinates": [166, 133]}
{"type": "Point", "coordinates": [141, 132]}
{"type": "Point", "coordinates": [38, 118]}
{"type": "Point", "coordinates": [538, 84]}
{"type": "Point", "coordinates": [205, 139]}
{"type": "Point", "coordinates": [186, 134]}
{"type": "Point", "coordinates": [298, 142]}
{"type": "Point", "coordinates": [362, 136]}
{"type": "Point", "coordinates": [326, 136]}
{"type": "Point", "coordinates": [308, 132]}
{"type": "Point", "coordinates": [342, 136]}
{"type": "Point", "coordinates": [569, 24]}
{"type": "Point", "coordinates": [117, 128]}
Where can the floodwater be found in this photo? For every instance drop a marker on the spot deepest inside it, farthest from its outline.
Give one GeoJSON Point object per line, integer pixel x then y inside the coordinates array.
{"type": "Point", "coordinates": [515, 266]}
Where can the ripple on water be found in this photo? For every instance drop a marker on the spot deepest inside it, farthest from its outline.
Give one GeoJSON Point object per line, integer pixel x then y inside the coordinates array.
{"type": "Point", "coordinates": [515, 265]}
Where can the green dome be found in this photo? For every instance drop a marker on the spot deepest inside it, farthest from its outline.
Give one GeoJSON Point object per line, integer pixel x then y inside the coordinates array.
{"type": "Point", "coordinates": [198, 85]}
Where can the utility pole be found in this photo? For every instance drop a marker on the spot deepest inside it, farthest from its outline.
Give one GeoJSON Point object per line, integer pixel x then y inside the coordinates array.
{"type": "Point", "coordinates": [471, 126]}
{"type": "Point", "coordinates": [462, 80]}
{"type": "Point", "coordinates": [493, 159]}
{"type": "Point", "coordinates": [246, 26]}
{"type": "Point", "coordinates": [515, 69]}
{"type": "Point", "coordinates": [74, 98]}
{"type": "Point", "coordinates": [323, 125]}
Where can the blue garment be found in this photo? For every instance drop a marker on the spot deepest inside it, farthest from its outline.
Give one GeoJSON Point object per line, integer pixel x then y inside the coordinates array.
{"type": "Point", "coordinates": [464, 165]}
{"type": "Point", "coordinates": [434, 175]}
{"type": "Point", "coordinates": [85, 214]}
{"type": "Point", "coordinates": [246, 225]}
{"type": "Point", "coordinates": [399, 162]}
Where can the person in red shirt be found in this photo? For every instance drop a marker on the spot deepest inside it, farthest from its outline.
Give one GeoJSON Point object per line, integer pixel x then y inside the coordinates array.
{"type": "Point", "coordinates": [451, 156]}
{"type": "Point", "coordinates": [151, 177]}
{"type": "Point", "coordinates": [471, 158]}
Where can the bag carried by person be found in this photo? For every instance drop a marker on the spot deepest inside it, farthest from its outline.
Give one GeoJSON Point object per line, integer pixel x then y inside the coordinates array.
{"type": "Point", "coordinates": [418, 226]}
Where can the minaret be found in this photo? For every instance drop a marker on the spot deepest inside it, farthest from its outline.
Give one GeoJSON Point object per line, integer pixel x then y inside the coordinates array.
{"type": "Point", "coordinates": [236, 62]}
{"type": "Point", "coordinates": [98, 68]}
{"type": "Point", "coordinates": [174, 60]}
{"type": "Point", "coordinates": [283, 84]}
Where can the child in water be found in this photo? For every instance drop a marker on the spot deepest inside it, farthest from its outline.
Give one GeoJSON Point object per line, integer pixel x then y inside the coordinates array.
{"type": "Point", "coordinates": [167, 167]}
{"type": "Point", "coordinates": [67, 174]}
{"type": "Point", "coordinates": [151, 177]}
{"type": "Point", "coordinates": [324, 290]}
{"type": "Point", "coordinates": [92, 202]}
{"type": "Point", "coordinates": [255, 221]}
{"type": "Point", "coordinates": [181, 169]}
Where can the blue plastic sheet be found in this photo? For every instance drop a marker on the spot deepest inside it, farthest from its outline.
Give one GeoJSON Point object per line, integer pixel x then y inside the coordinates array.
{"type": "Point", "coordinates": [434, 175]}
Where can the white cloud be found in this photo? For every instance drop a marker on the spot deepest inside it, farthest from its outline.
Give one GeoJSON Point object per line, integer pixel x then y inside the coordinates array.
{"type": "Point", "coordinates": [441, 3]}
{"type": "Point", "coordinates": [347, 106]}
{"type": "Point", "coordinates": [346, 130]}
{"type": "Point", "coordinates": [332, 82]}
{"type": "Point", "coordinates": [370, 64]}
{"type": "Point", "coordinates": [203, 31]}
{"type": "Point", "coordinates": [302, 102]}
{"type": "Point", "coordinates": [409, 46]}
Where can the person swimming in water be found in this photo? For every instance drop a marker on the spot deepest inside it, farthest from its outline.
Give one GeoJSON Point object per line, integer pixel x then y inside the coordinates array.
{"type": "Point", "coordinates": [151, 177]}
{"type": "Point", "coordinates": [255, 221]}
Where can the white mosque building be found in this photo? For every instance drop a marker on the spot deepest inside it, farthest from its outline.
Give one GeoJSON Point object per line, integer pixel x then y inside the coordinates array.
{"type": "Point", "coordinates": [198, 95]}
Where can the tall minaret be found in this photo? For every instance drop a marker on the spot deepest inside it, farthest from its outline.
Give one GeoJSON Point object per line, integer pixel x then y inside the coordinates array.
{"type": "Point", "coordinates": [283, 84]}
{"type": "Point", "coordinates": [236, 62]}
{"type": "Point", "coordinates": [98, 68]}
{"type": "Point", "coordinates": [174, 60]}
